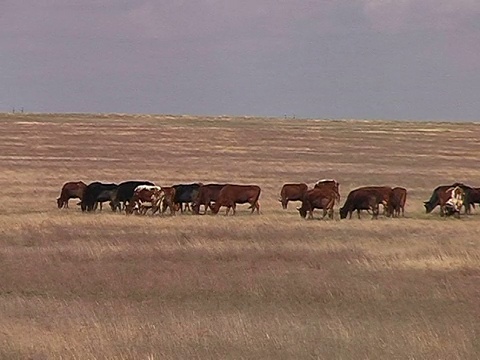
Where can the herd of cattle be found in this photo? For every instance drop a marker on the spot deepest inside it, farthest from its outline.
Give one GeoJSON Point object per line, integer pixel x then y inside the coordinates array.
{"type": "Point", "coordinates": [138, 197]}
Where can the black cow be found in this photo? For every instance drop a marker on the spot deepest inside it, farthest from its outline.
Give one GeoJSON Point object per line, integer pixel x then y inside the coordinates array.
{"type": "Point", "coordinates": [96, 193]}
{"type": "Point", "coordinates": [186, 194]}
{"type": "Point", "coordinates": [125, 192]}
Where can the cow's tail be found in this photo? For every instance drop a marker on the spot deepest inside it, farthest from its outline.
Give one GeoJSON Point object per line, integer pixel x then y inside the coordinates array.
{"type": "Point", "coordinates": [255, 204]}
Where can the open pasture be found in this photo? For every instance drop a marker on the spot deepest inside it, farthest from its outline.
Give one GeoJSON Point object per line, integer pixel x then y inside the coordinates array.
{"type": "Point", "coordinates": [273, 286]}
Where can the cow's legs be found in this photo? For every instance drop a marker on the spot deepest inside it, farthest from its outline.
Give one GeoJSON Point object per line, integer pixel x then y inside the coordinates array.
{"type": "Point", "coordinates": [330, 213]}
{"type": "Point", "coordinates": [358, 213]}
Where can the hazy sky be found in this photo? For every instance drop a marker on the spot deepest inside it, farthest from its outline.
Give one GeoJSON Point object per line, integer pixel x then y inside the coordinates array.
{"type": "Point", "coordinates": [389, 59]}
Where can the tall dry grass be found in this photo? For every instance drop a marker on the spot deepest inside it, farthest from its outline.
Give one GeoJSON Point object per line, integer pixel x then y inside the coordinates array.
{"type": "Point", "coordinates": [274, 286]}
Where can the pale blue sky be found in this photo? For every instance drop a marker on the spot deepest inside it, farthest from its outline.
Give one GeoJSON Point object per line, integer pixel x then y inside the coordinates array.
{"type": "Point", "coordinates": [382, 59]}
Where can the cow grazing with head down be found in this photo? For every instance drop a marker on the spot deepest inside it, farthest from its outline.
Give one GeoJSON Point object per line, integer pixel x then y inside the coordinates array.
{"type": "Point", "coordinates": [231, 195]}
{"type": "Point", "coordinates": [292, 192]}
{"type": "Point", "coordinates": [318, 199]}
{"type": "Point", "coordinates": [441, 194]}
{"type": "Point", "coordinates": [366, 198]}
{"type": "Point", "coordinates": [330, 184]}
{"type": "Point", "coordinates": [97, 193]}
{"type": "Point", "coordinates": [206, 195]}
{"type": "Point", "coordinates": [71, 190]}
{"type": "Point", "coordinates": [397, 202]}
{"type": "Point", "coordinates": [145, 197]}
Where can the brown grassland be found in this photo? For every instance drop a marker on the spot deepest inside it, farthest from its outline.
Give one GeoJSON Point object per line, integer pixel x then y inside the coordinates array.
{"type": "Point", "coordinates": [268, 286]}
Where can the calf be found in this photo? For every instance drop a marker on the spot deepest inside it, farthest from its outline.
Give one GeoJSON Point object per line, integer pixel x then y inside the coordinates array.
{"type": "Point", "coordinates": [71, 190]}
{"type": "Point", "coordinates": [292, 192]}
{"type": "Point", "coordinates": [318, 199]}
{"type": "Point", "coordinates": [231, 195]}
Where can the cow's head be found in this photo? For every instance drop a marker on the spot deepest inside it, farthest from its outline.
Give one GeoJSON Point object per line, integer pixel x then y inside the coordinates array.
{"type": "Point", "coordinates": [215, 208]}
{"type": "Point", "coordinates": [428, 207]}
{"type": "Point", "coordinates": [302, 211]}
{"type": "Point", "coordinates": [59, 203]}
{"type": "Point", "coordinates": [129, 207]}
{"type": "Point", "coordinates": [343, 212]}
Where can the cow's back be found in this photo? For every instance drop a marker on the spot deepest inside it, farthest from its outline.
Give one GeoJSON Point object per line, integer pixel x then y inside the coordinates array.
{"type": "Point", "coordinates": [320, 197]}
{"type": "Point", "coordinates": [293, 191]}
{"type": "Point", "coordinates": [331, 184]}
{"type": "Point", "coordinates": [126, 189]}
{"type": "Point", "coordinates": [239, 193]}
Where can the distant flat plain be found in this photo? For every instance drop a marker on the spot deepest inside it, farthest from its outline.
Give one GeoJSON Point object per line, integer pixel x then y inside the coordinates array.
{"type": "Point", "coordinates": [272, 286]}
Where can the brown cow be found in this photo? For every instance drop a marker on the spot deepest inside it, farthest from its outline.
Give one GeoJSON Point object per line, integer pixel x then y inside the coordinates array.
{"type": "Point", "coordinates": [318, 199]}
{"type": "Point", "coordinates": [366, 198]}
{"type": "Point", "coordinates": [206, 194]}
{"type": "Point", "coordinates": [230, 195]}
{"type": "Point", "coordinates": [329, 184]}
{"type": "Point", "coordinates": [169, 200]}
{"type": "Point", "coordinates": [145, 197]}
{"type": "Point", "coordinates": [71, 190]}
{"type": "Point", "coordinates": [397, 202]}
{"type": "Point", "coordinates": [292, 192]}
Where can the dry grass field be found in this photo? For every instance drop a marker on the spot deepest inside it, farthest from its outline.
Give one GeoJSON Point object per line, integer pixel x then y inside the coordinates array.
{"type": "Point", "coordinates": [273, 286]}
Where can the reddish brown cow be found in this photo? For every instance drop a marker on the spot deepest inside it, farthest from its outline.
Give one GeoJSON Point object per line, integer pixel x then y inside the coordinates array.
{"type": "Point", "coordinates": [71, 190]}
{"type": "Point", "coordinates": [366, 198]}
{"type": "Point", "coordinates": [330, 184]}
{"type": "Point", "coordinates": [292, 192]}
{"type": "Point", "coordinates": [206, 194]}
{"type": "Point", "coordinates": [169, 200]}
{"type": "Point", "coordinates": [230, 195]}
{"type": "Point", "coordinates": [397, 201]}
{"type": "Point", "coordinates": [318, 199]}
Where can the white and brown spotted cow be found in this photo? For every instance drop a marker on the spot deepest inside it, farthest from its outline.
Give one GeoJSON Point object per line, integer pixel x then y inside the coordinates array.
{"type": "Point", "coordinates": [455, 202]}
{"type": "Point", "coordinates": [145, 197]}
